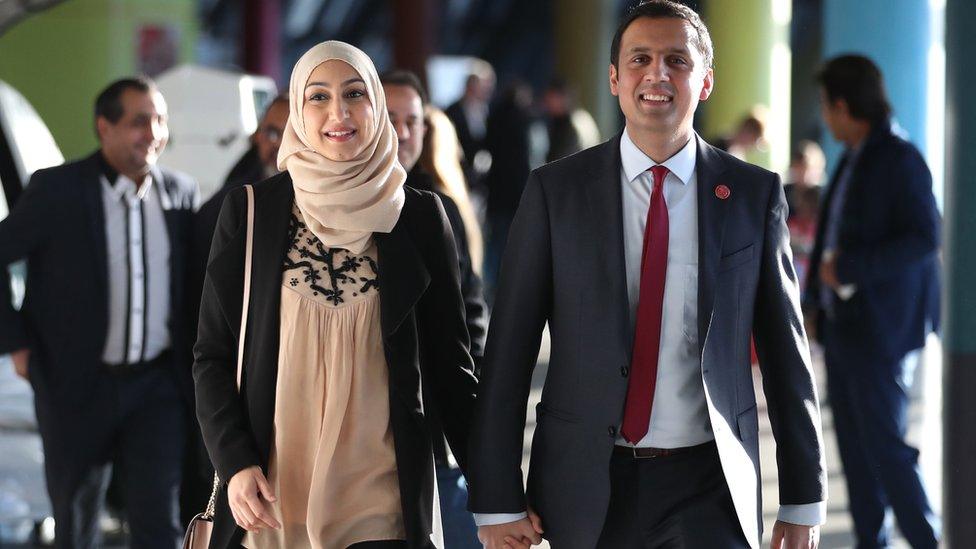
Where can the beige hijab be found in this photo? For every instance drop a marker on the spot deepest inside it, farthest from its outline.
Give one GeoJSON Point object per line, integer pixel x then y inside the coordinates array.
{"type": "Point", "coordinates": [343, 202]}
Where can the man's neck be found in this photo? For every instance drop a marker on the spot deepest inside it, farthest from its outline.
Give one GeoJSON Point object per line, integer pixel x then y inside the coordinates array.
{"type": "Point", "coordinates": [138, 176]}
{"type": "Point", "coordinates": [660, 147]}
{"type": "Point", "coordinates": [859, 133]}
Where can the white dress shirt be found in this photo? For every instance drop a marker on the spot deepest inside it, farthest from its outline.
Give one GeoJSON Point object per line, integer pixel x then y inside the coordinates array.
{"type": "Point", "coordinates": [138, 251]}
{"type": "Point", "coordinates": [679, 414]}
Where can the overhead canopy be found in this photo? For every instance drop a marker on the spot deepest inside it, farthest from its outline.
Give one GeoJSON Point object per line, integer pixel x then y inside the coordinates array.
{"type": "Point", "coordinates": [12, 11]}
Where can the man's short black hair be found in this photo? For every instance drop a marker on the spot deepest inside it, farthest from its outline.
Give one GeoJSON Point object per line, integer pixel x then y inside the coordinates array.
{"type": "Point", "coordinates": [858, 81]}
{"type": "Point", "coordinates": [665, 9]}
{"type": "Point", "coordinates": [108, 105]}
{"type": "Point", "coordinates": [402, 77]}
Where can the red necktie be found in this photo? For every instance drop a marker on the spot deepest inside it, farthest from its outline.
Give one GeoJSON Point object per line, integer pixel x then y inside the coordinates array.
{"type": "Point", "coordinates": [650, 305]}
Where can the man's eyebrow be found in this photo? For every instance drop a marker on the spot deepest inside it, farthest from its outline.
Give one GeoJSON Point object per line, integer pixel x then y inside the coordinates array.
{"type": "Point", "coordinates": [645, 49]}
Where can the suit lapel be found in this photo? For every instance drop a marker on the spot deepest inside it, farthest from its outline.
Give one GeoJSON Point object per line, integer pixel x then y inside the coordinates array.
{"type": "Point", "coordinates": [604, 196]}
{"type": "Point", "coordinates": [813, 282]}
{"type": "Point", "coordinates": [402, 277]}
{"type": "Point", "coordinates": [712, 212]}
{"type": "Point", "coordinates": [171, 215]}
{"type": "Point", "coordinates": [92, 190]}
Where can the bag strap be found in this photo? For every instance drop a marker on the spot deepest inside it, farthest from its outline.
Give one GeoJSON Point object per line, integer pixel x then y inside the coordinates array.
{"type": "Point", "coordinates": [248, 251]}
{"type": "Point", "coordinates": [208, 513]}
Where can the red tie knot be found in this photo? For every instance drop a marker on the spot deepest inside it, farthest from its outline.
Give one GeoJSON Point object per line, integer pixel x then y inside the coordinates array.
{"type": "Point", "coordinates": [659, 172]}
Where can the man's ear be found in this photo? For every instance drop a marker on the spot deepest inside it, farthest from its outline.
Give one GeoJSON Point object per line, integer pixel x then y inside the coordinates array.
{"type": "Point", "coordinates": [842, 107]}
{"type": "Point", "coordinates": [102, 126]}
{"type": "Point", "coordinates": [708, 85]}
{"type": "Point", "coordinates": [613, 79]}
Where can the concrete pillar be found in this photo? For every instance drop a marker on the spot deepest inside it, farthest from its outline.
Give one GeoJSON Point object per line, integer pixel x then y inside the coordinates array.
{"type": "Point", "coordinates": [61, 58]}
{"type": "Point", "coordinates": [414, 34]}
{"type": "Point", "coordinates": [959, 412]}
{"type": "Point", "coordinates": [752, 67]}
{"type": "Point", "coordinates": [262, 38]}
{"type": "Point", "coordinates": [582, 33]}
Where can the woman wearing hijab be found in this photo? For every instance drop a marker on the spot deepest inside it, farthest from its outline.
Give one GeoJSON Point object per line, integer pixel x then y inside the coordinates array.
{"type": "Point", "coordinates": [355, 305]}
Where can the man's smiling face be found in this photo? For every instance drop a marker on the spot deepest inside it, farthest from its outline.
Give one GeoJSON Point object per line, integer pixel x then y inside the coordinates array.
{"type": "Point", "coordinates": [660, 76]}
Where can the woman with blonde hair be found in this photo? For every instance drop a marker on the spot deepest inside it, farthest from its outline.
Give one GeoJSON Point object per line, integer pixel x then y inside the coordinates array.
{"type": "Point", "coordinates": [355, 312]}
{"type": "Point", "coordinates": [441, 158]}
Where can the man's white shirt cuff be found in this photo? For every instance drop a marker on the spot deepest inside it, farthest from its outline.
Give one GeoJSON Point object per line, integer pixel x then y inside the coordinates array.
{"type": "Point", "coordinates": [807, 514]}
{"type": "Point", "coordinates": [491, 519]}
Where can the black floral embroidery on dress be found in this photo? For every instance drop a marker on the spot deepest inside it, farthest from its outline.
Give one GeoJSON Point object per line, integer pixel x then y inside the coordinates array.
{"type": "Point", "coordinates": [316, 260]}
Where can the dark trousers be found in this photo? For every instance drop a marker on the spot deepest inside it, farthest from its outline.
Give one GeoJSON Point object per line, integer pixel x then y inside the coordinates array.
{"type": "Point", "coordinates": [679, 501]}
{"type": "Point", "coordinates": [460, 531]}
{"type": "Point", "coordinates": [133, 421]}
{"type": "Point", "coordinates": [869, 399]}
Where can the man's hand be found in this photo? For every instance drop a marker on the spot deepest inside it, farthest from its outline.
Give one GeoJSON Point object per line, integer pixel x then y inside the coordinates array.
{"type": "Point", "coordinates": [245, 492]}
{"type": "Point", "coordinates": [810, 324]}
{"type": "Point", "coordinates": [828, 272]}
{"type": "Point", "coordinates": [520, 534]}
{"type": "Point", "coordinates": [20, 359]}
{"type": "Point", "coordinates": [794, 536]}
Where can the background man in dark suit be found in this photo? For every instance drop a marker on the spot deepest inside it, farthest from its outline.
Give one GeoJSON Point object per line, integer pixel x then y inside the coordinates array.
{"type": "Point", "coordinates": [257, 164]}
{"type": "Point", "coordinates": [652, 257]}
{"type": "Point", "coordinates": [874, 295]}
{"type": "Point", "coordinates": [99, 334]}
{"type": "Point", "coordinates": [469, 114]}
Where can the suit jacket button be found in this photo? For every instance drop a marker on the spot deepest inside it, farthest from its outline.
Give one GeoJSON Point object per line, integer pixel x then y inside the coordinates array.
{"type": "Point", "coordinates": [624, 371]}
{"type": "Point", "coordinates": [612, 431]}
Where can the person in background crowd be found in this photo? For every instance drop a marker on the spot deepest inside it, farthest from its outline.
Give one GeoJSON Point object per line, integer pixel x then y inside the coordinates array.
{"type": "Point", "coordinates": [441, 157]}
{"type": "Point", "coordinates": [355, 312]}
{"type": "Point", "coordinates": [806, 170]}
{"type": "Point", "coordinates": [469, 114]}
{"type": "Point", "coordinates": [652, 258]}
{"type": "Point", "coordinates": [257, 164]}
{"type": "Point", "coordinates": [571, 129]}
{"type": "Point", "coordinates": [516, 140]}
{"type": "Point", "coordinates": [802, 191]}
{"type": "Point", "coordinates": [406, 100]}
{"type": "Point", "coordinates": [749, 134]}
{"type": "Point", "coordinates": [100, 335]}
{"type": "Point", "coordinates": [873, 293]}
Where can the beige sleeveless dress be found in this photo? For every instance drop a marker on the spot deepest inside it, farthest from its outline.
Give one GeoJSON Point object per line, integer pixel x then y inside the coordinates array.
{"type": "Point", "coordinates": [333, 465]}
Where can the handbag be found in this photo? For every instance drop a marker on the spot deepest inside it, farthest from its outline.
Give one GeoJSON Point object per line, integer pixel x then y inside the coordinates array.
{"type": "Point", "coordinates": [201, 526]}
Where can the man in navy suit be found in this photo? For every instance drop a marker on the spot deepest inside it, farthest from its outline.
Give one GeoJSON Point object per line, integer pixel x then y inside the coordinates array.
{"type": "Point", "coordinates": [874, 299]}
{"type": "Point", "coordinates": [652, 257]}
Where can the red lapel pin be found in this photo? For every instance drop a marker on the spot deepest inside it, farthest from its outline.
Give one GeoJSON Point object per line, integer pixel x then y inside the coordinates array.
{"type": "Point", "coordinates": [722, 192]}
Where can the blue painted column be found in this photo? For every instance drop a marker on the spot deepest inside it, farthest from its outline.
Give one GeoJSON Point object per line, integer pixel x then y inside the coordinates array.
{"type": "Point", "coordinates": [896, 35]}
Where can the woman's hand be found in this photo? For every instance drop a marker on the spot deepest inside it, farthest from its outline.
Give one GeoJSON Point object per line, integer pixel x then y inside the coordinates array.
{"type": "Point", "coordinates": [244, 493]}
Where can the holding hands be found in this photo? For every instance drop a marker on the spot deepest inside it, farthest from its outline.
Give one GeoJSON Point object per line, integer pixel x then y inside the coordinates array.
{"type": "Point", "coordinates": [794, 536]}
{"type": "Point", "coordinates": [521, 534]}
